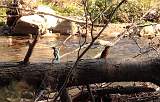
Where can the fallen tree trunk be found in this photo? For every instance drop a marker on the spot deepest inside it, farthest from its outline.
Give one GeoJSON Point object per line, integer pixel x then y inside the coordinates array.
{"type": "Point", "coordinates": [87, 72]}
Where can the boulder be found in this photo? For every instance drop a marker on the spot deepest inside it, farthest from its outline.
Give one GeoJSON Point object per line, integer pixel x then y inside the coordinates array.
{"type": "Point", "coordinates": [150, 31]}
{"type": "Point", "coordinates": [30, 25]}
{"type": "Point", "coordinates": [65, 27]}
{"type": "Point", "coordinates": [147, 31]}
{"type": "Point", "coordinates": [57, 25]}
{"type": "Point", "coordinates": [45, 23]}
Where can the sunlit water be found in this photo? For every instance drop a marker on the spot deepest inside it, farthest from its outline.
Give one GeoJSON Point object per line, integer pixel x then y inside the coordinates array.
{"type": "Point", "coordinates": [14, 48]}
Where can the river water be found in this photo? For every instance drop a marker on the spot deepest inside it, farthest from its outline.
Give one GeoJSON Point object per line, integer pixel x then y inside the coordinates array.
{"type": "Point", "coordinates": [14, 48]}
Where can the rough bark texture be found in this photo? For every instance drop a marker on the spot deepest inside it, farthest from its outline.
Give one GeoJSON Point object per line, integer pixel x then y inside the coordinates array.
{"type": "Point", "coordinates": [87, 72]}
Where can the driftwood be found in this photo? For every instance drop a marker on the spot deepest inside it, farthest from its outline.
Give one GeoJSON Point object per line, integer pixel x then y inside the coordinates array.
{"type": "Point", "coordinates": [87, 72]}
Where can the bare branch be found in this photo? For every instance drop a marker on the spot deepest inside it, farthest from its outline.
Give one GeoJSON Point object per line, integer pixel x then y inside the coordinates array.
{"type": "Point", "coordinates": [30, 49]}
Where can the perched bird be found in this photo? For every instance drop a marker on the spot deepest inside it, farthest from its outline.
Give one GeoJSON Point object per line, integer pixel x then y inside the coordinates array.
{"type": "Point", "coordinates": [56, 54]}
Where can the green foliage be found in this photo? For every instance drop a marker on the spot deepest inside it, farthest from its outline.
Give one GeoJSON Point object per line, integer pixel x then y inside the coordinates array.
{"type": "Point", "coordinates": [2, 19]}
{"type": "Point", "coordinates": [146, 4]}
{"type": "Point", "coordinates": [134, 10]}
{"type": "Point", "coordinates": [2, 22]}
{"type": "Point", "coordinates": [3, 11]}
{"type": "Point", "coordinates": [40, 3]}
{"type": "Point", "coordinates": [129, 12]}
{"type": "Point", "coordinates": [98, 6]}
{"type": "Point", "coordinates": [70, 10]}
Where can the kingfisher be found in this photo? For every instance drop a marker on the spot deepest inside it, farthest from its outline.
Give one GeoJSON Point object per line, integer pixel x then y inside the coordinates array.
{"type": "Point", "coordinates": [56, 55]}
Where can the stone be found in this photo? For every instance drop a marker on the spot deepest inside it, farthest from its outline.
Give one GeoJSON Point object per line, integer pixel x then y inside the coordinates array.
{"type": "Point", "coordinates": [147, 31]}
{"type": "Point", "coordinates": [30, 25]}
{"type": "Point", "coordinates": [45, 23]}
{"type": "Point", "coordinates": [65, 27]}
{"type": "Point", "coordinates": [152, 30]}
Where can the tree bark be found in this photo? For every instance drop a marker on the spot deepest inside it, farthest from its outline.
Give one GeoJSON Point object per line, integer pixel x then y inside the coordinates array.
{"type": "Point", "coordinates": [87, 72]}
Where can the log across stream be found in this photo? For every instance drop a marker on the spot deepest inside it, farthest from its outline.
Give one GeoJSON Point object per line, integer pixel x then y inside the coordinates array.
{"type": "Point", "coordinates": [88, 71]}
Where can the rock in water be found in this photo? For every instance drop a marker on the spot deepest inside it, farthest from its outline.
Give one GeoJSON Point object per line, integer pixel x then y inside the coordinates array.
{"type": "Point", "coordinates": [147, 31]}
{"type": "Point", "coordinates": [44, 22]}
{"type": "Point", "coordinates": [30, 25]}
{"type": "Point", "coordinates": [65, 27]}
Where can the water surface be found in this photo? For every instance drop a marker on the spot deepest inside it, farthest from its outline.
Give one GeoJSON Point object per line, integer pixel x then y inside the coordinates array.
{"type": "Point", "coordinates": [14, 48]}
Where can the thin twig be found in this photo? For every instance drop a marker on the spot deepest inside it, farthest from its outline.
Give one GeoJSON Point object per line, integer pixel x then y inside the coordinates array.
{"type": "Point", "coordinates": [66, 40]}
{"type": "Point", "coordinates": [40, 94]}
{"type": "Point", "coordinates": [85, 3]}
